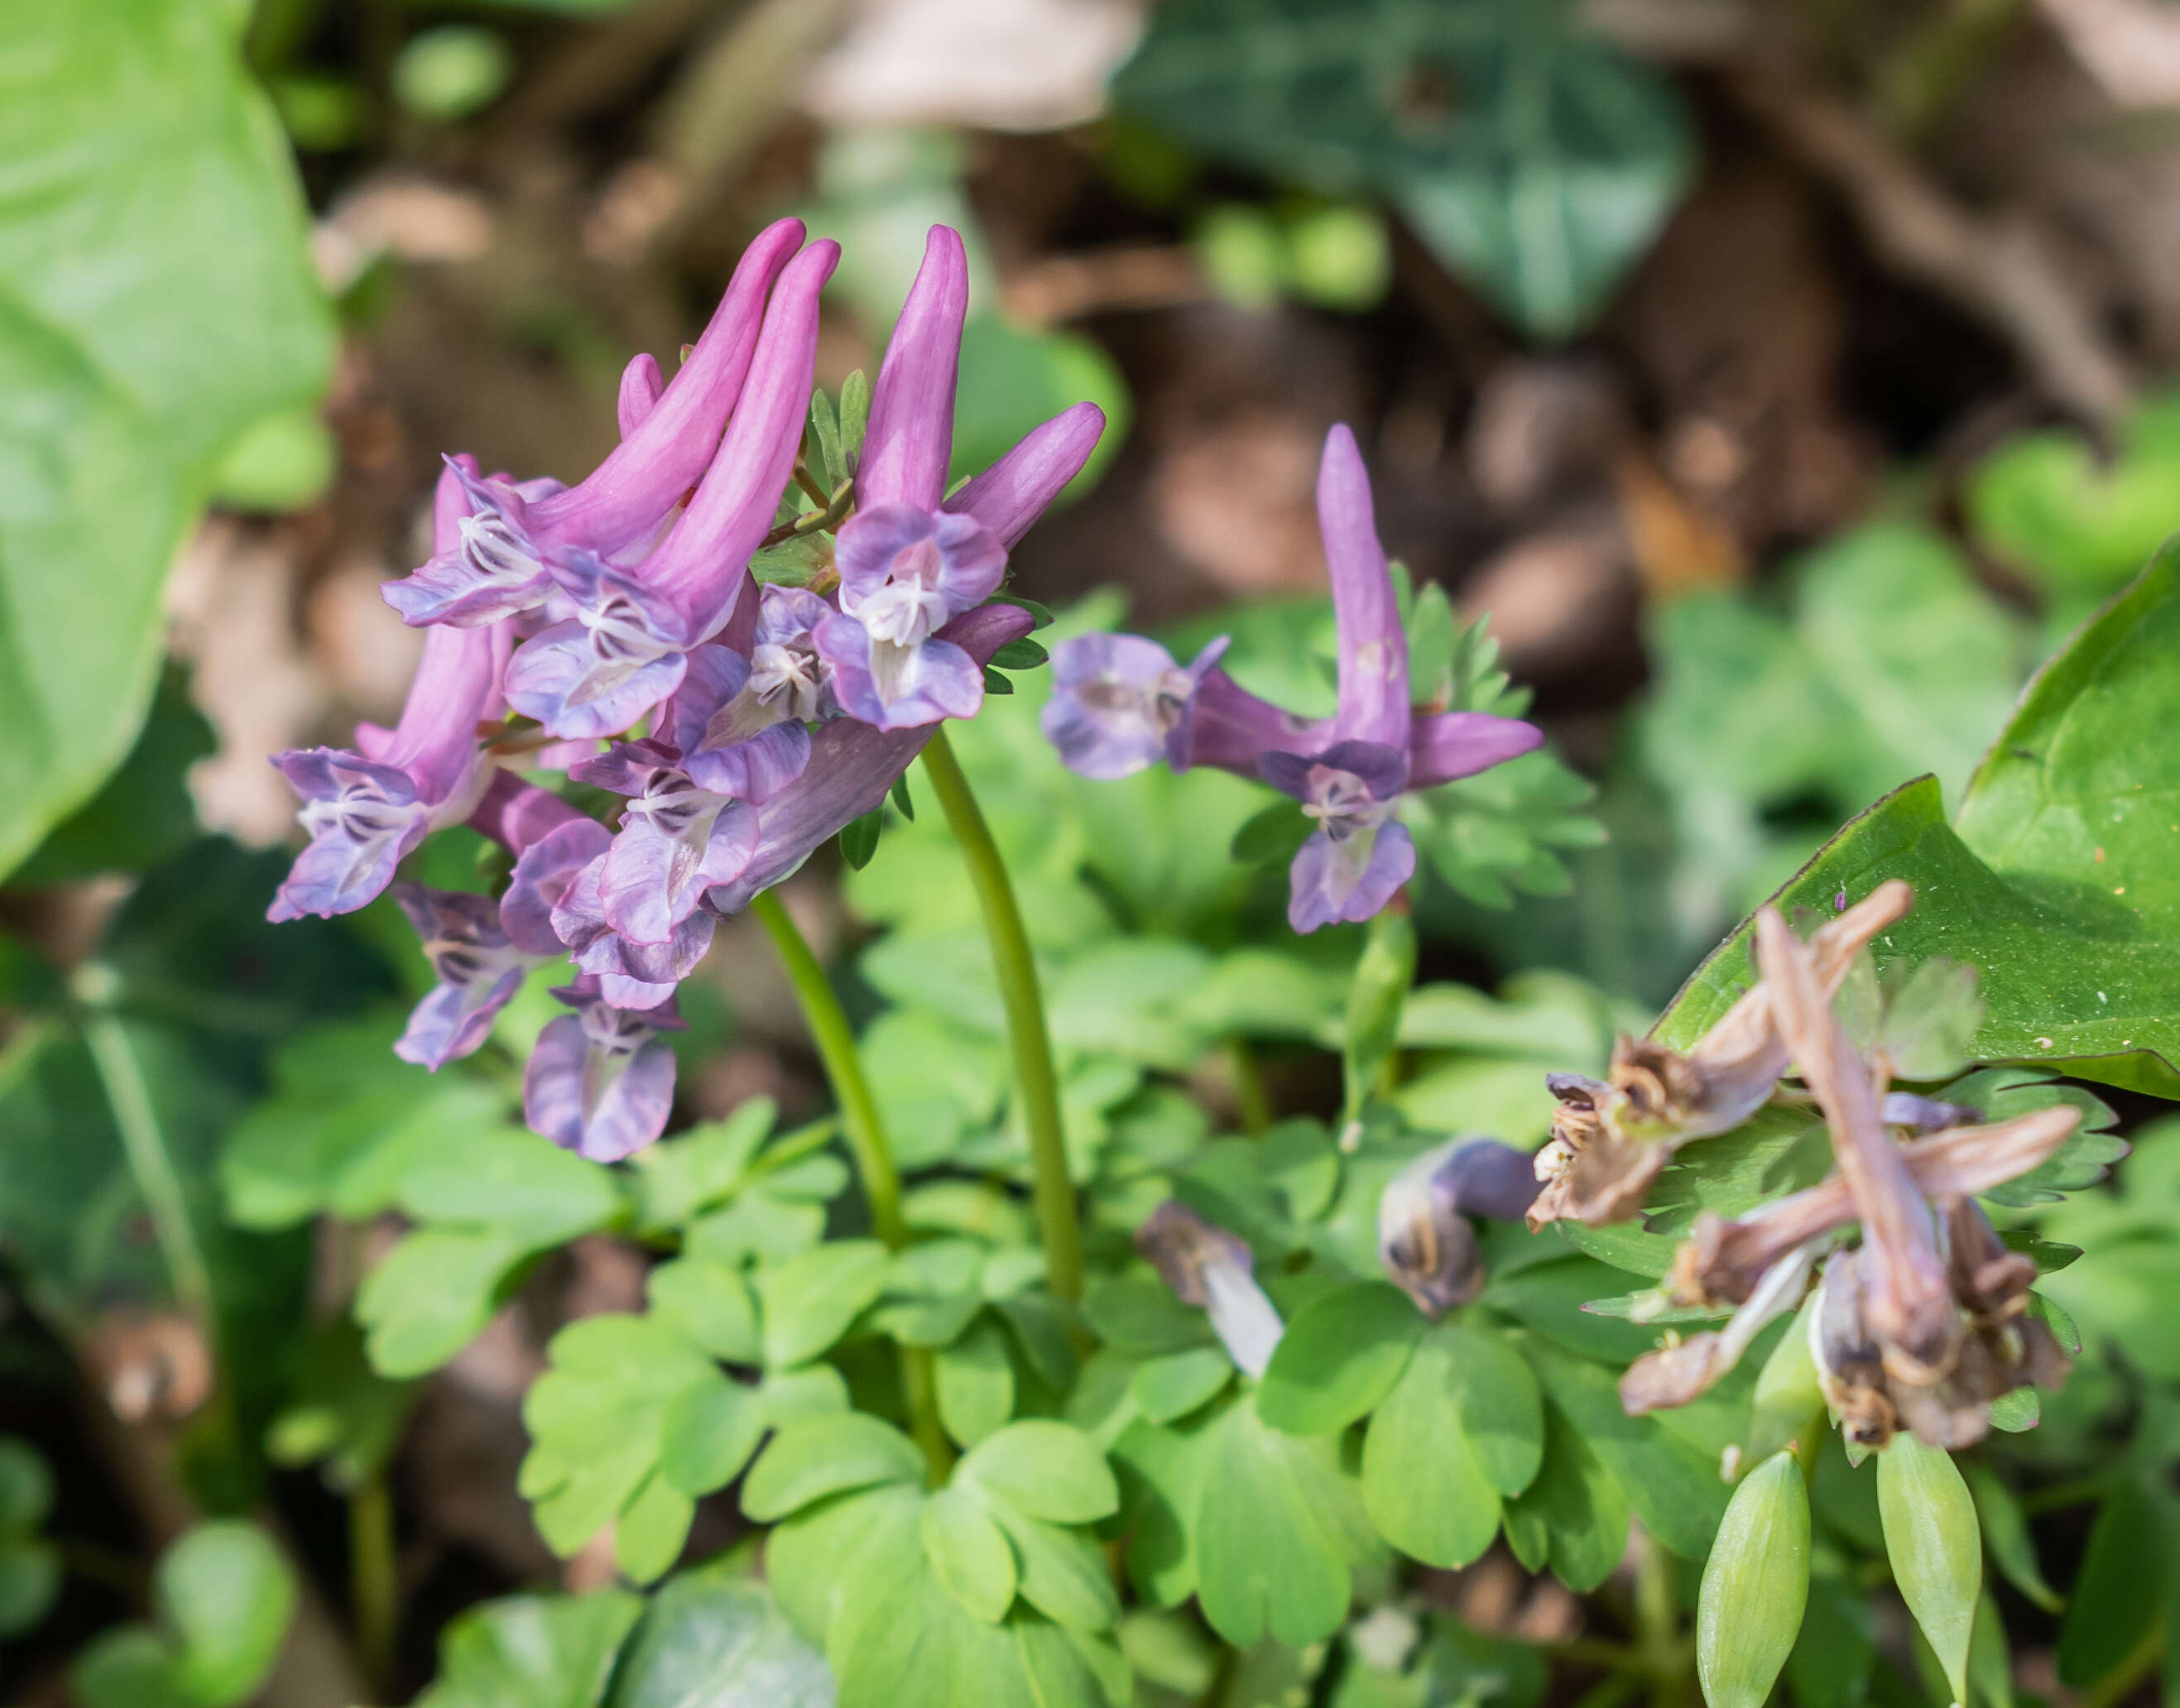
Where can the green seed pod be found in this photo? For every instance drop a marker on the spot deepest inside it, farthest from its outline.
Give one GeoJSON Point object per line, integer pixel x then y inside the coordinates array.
{"type": "Point", "coordinates": [1936, 1549]}
{"type": "Point", "coordinates": [1754, 1586]}
{"type": "Point", "coordinates": [1789, 1407]}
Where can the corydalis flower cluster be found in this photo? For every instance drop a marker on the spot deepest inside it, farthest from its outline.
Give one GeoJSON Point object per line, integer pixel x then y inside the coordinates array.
{"type": "Point", "coordinates": [1121, 702]}
{"type": "Point", "coordinates": [742, 725]}
{"type": "Point", "coordinates": [1922, 1322]}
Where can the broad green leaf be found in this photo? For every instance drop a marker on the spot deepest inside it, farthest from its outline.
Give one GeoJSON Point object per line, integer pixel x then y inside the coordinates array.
{"type": "Point", "coordinates": [1339, 1357]}
{"type": "Point", "coordinates": [1140, 1315]}
{"type": "Point", "coordinates": [1497, 1404]}
{"type": "Point", "coordinates": [508, 1178]}
{"type": "Point", "coordinates": [1535, 160]}
{"type": "Point", "coordinates": [821, 1456]}
{"type": "Point", "coordinates": [1175, 1384]}
{"type": "Point", "coordinates": [2059, 885]}
{"type": "Point", "coordinates": [678, 1177]}
{"type": "Point", "coordinates": [144, 815]}
{"type": "Point", "coordinates": [653, 1524]}
{"type": "Point", "coordinates": [840, 1552]}
{"type": "Point", "coordinates": [533, 1651]}
{"type": "Point", "coordinates": [1043, 1469]}
{"type": "Point", "coordinates": [1754, 1586]}
{"type": "Point", "coordinates": [129, 1666]}
{"type": "Point", "coordinates": [1422, 1483]}
{"type": "Point", "coordinates": [911, 1645]}
{"type": "Point", "coordinates": [712, 1304]}
{"type": "Point", "coordinates": [155, 300]}
{"type": "Point", "coordinates": [1273, 1533]}
{"type": "Point", "coordinates": [809, 1301]}
{"type": "Point", "coordinates": [969, 1553]}
{"type": "Point", "coordinates": [1931, 1538]}
{"type": "Point", "coordinates": [976, 1383]}
{"type": "Point", "coordinates": [433, 1293]}
{"type": "Point", "coordinates": [1573, 1516]}
{"type": "Point", "coordinates": [226, 1594]}
{"type": "Point", "coordinates": [1063, 1573]}
{"type": "Point", "coordinates": [712, 1639]}
{"type": "Point", "coordinates": [707, 1434]}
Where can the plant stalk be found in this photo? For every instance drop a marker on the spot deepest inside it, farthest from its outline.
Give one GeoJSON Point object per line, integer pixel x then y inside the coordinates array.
{"type": "Point", "coordinates": [145, 1146]}
{"type": "Point", "coordinates": [374, 1578]}
{"type": "Point", "coordinates": [865, 1132]}
{"type": "Point", "coordinates": [1036, 1082]}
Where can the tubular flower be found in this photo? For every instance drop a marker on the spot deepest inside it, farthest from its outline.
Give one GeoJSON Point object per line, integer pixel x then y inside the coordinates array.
{"type": "Point", "coordinates": [363, 814]}
{"type": "Point", "coordinates": [677, 839]}
{"type": "Point", "coordinates": [496, 564]}
{"type": "Point", "coordinates": [1215, 1271]}
{"type": "Point", "coordinates": [479, 970]}
{"type": "Point", "coordinates": [1922, 1324]}
{"type": "Point", "coordinates": [600, 1081]}
{"type": "Point", "coordinates": [627, 646]}
{"type": "Point", "coordinates": [1121, 702]}
{"type": "Point", "coordinates": [1425, 1239]}
{"type": "Point", "coordinates": [911, 562]}
{"type": "Point", "coordinates": [1610, 1137]}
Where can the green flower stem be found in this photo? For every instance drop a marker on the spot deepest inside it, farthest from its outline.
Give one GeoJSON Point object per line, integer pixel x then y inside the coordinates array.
{"type": "Point", "coordinates": [859, 1118]}
{"type": "Point", "coordinates": [145, 1146]}
{"type": "Point", "coordinates": [1038, 1086]}
{"type": "Point", "coordinates": [374, 1576]}
{"type": "Point", "coordinates": [836, 1047]}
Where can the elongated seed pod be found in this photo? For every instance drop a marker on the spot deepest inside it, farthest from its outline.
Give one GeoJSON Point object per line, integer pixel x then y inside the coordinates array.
{"type": "Point", "coordinates": [1755, 1586]}
{"type": "Point", "coordinates": [1936, 1549]}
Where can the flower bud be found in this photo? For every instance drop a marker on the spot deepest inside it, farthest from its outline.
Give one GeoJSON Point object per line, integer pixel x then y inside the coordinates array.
{"type": "Point", "coordinates": [1424, 1239]}
{"type": "Point", "coordinates": [1936, 1547]}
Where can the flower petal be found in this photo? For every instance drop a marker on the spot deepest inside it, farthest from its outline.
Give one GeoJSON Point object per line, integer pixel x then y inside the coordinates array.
{"type": "Point", "coordinates": [909, 439]}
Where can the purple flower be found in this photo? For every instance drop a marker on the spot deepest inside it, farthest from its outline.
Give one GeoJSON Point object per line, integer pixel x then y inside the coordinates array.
{"type": "Point", "coordinates": [852, 765]}
{"type": "Point", "coordinates": [1121, 702]}
{"type": "Point", "coordinates": [677, 839]}
{"type": "Point", "coordinates": [544, 871]}
{"type": "Point", "coordinates": [600, 1081]}
{"type": "Point", "coordinates": [626, 648]}
{"type": "Point", "coordinates": [495, 565]}
{"type": "Point", "coordinates": [479, 970]}
{"type": "Point", "coordinates": [364, 813]}
{"type": "Point", "coordinates": [741, 734]}
{"type": "Point", "coordinates": [910, 563]}
{"type": "Point", "coordinates": [630, 975]}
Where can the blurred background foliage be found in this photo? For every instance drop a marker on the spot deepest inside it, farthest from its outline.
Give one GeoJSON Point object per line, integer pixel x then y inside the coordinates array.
{"type": "Point", "coordinates": [1785, 383]}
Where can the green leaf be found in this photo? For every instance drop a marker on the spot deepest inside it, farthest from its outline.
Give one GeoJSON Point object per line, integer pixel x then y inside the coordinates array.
{"type": "Point", "coordinates": [433, 1295]}
{"type": "Point", "coordinates": [975, 1381]}
{"type": "Point", "coordinates": [144, 815]}
{"type": "Point", "coordinates": [227, 1594]}
{"type": "Point", "coordinates": [2006, 1535]}
{"type": "Point", "coordinates": [1272, 836]}
{"type": "Point", "coordinates": [707, 1433]}
{"type": "Point", "coordinates": [1339, 1357]}
{"type": "Point", "coordinates": [1171, 1386]}
{"type": "Point", "coordinates": [129, 1667]}
{"type": "Point", "coordinates": [1136, 1315]}
{"type": "Point", "coordinates": [2058, 884]}
{"type": "Point", "coordinates": [1021, 655]}
{"type": "Point", "coordinates": [968, 1552]}
{"type": "Point", "coordinates": [2119, 1593]}
{"type": "Point", "coordinates": [533, 1651]}
{"type": "Point", "coordinates": [859, 836]}
{"type": "Point", "coordinates": [1755, 1585]}
{"type": "Point", "coordinates": [1064, 1574]}
{"type": "Point", "coordinates": [1830, 1663]}
{"type": "Point", "coordinates": [1276, 1524]}
{"type": "Point", "coordinates": [711, 1639]}
{"type": "Point", "coordinates": [712, 1304]}
{"type": "Point", "coordinates": [1534, 160]}
{"type": "Point", "coordinates": [839, 1552]}
{"type": "Point", "coordinates": [1573, 1515]}
{"type": "Point", "coordinates": [652, 1526]}
{"type": "Point", "coordinates": [809, 1301]}
{"type": "Point", "coordinates": [1043, 1469]}
{"type": "Point", "coordinates": [26, 1486]}
{"type": "Point", "coordinates": [1931, 1538]}
{"type": "Point", "coordinates": [508, 1179]}
{"type": "Point", "coordinates": [1422, 1483]}
{"type": "Point", "coordinates": [821, 1456]}
{"type": "Point", "coordinates": [2074, 519]}
{"type": "Point", "coordinates": [1670, 1480]}
{"type": "Point", "coordinates": [31, 1574]}
{"type": "Point", "coordinates": [153, 210]}
{"type": "Point", "coordinates": [1497, 1404]}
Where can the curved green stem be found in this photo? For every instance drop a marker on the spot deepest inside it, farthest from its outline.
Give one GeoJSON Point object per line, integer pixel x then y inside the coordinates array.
{"type": "Point", "coordinates": [374, 1576]}
{"type": "Point", "coordinates": [859, 1119]}
{"type": "Point", "coordinates": [836, 1047]}
{"type": "Point", "coordinates": [1034, 1078]}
